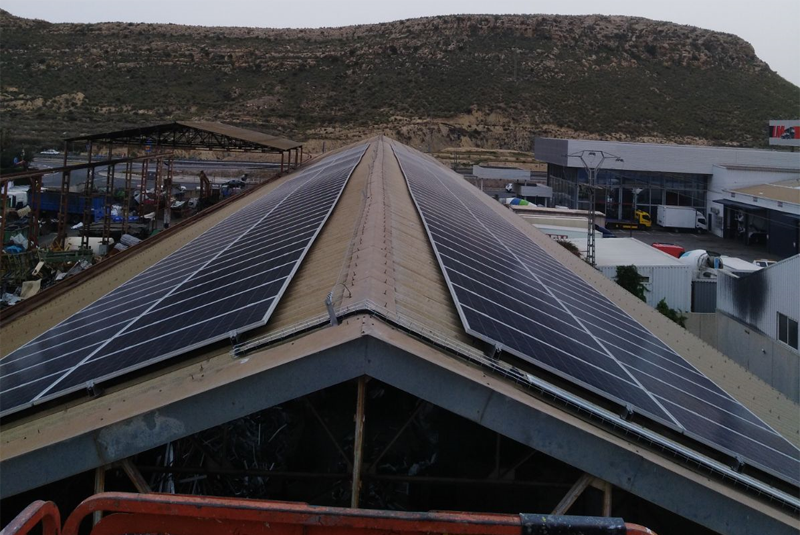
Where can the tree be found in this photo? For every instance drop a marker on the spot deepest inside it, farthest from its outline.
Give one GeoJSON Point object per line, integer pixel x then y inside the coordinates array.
{"type": "Point", "coordinates": [675, 315]}
{"type": "Point", "coordinates": [628, 277]}
{"type": "Point", "coordinates": [9, 154]}
{"type": "Point", "coordinates": [569, 246]}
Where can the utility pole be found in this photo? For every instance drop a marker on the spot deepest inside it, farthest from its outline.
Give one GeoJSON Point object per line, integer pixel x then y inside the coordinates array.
{"type": "Point", "coordinates": [592, 161]}
{"type": "Point", "coordinates": [636, 192]}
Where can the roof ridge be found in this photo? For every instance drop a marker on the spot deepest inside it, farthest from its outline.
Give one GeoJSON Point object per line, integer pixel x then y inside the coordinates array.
{"type": "Point", "coordinates": [371, 272]}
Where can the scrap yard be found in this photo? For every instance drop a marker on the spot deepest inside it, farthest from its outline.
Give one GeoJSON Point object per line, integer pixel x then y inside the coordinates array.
{"type": "Point", "coordinates": [59, 220]}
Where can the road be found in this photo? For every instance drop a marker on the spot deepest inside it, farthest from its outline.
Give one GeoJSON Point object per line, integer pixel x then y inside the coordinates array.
{"type": "Point", "coordinates": [707, 241]}
{"type": "Point", "coordinates": [185, 171]}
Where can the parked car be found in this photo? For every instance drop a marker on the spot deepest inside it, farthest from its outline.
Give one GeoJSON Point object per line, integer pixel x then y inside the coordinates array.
{"type": "Point", "coordinates": [763, 262]}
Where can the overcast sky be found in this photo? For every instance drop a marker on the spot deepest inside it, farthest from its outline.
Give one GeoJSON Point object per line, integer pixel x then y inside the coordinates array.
{"type": "Point", "coordinates": [771, 26]}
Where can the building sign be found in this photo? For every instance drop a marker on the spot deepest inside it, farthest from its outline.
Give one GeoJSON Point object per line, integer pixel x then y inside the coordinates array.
{"type": "Point", "coordinates": [786, 133]}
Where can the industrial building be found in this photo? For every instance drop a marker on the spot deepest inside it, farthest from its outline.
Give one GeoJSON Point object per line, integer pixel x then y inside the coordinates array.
{"type": "Point", "coordinates": [664, 276]}
{"type": "Point", "coordinates": [649, 175]}
{"type": "Point", "coordinates": [372, 331]}
{"type": "Point", "coordinates": [764, 213]}
{"type": "Point", "coordinates": [503, 182]}
{"type": "Point", "coordinates": [757, 317]}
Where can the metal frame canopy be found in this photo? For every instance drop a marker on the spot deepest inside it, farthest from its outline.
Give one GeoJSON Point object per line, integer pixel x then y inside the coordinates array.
{"type": "Point", "coordinates": [194, 135]}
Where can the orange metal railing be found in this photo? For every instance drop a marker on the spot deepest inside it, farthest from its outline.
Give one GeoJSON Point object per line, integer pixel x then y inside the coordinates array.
{"type": "Point", "coordinates": [39, 513]}
{"type": "Point", "coordinates": [200, 515]}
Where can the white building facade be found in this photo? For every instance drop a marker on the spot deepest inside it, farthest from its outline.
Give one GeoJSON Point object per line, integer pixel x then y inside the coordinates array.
{"type": "Point", "coordinates": [654, 174]}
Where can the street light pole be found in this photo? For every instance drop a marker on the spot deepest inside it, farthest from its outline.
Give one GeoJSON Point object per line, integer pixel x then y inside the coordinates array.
{"type": "Point", "coordinates": [592, 165]}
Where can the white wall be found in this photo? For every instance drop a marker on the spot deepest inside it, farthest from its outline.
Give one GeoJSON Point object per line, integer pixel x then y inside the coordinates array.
{"type": "Point", "coordinates": [502, 173]}
{"type": "Point", "coordinates": [757, 298]}
{"type": "Point", "coordinates": [664, 157]}
{"type": "Point", "coordinates": [772, 361]}
{"type": "Point", "coordinates": [672, 283]}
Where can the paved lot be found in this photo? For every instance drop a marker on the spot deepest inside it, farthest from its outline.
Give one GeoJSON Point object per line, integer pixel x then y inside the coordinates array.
{"type": "Point", "coordinates": [707, 241]}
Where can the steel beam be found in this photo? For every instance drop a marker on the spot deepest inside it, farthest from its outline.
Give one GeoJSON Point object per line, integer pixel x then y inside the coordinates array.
{"type": "Point", "coordinates": [410, 419]}
{"type": "Point", "coordinates": [5, 210]}
{"type": "Point", "coordinates": [35, 202]}
{"type": "Point", "coordinates": [135, 476]}
{"type": "Point", "coordinates": [358, 441]}
{"type": "Point", "coordinates": [88, 194]}
{"type": "Point", "coordinates": [126, 203]}
{"type": "Point", "coordinates": [325, 428]}
{"type": "Point", "coordinates": [99, 488]}
{"type": "Point", "coordinates": [573, 494]}
{"type": "Point", "coordinates": [108, 201]}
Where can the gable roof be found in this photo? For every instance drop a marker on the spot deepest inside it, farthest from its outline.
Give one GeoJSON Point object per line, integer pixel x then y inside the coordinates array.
{"type": "Point", "coordinates": [194, 135]}
{"type": "Point", "coordinates": [374, 258]}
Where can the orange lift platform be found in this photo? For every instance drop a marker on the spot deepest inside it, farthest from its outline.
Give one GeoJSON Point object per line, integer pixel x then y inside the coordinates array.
{"type": "Point", "coordinates": [116, 513]}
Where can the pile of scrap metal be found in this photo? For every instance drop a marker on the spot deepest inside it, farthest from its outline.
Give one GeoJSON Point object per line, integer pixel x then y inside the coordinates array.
{"type": "Point", "coordinates": [126, 241]}
{"type": "Point", "coordinates": [23, 274]}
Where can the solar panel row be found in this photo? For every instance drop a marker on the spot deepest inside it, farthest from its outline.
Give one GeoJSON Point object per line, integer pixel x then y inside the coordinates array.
{"type": "Point", "coordinates": [512, 293]}
{"type": "Point", "coordinates": [228, 279]}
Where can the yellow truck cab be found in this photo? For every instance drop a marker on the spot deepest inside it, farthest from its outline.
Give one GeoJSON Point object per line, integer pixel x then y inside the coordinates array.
{"type": "Point", "coordinates": [642, 219]}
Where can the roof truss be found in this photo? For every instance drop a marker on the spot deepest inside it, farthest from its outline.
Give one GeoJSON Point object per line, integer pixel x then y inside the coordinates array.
{"type": "Point", "coordinates": [194, 136]}
{"type": "Point", "coordinates": [384, 354]}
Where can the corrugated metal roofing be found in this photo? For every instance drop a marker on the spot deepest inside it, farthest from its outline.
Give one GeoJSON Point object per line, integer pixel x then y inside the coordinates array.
{"type": "Point", "coordinates": [253, 136]}
{"type": "Point", "coordinates": [784, 191]}
{"type": "Point", "coordinates": [626, 252]}
{"type": "Point", "coordinates": [141, 135]}
{"type": "Point", "coordinates": [374, 251]}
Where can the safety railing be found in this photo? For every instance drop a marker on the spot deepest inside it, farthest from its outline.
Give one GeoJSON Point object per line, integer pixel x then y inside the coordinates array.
{"type": "Point", "coordinates": [200, 515]}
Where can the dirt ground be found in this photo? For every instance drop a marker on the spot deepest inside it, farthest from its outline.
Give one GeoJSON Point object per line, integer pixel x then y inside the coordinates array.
{"type": "Point", "coordinates": [690, 241]}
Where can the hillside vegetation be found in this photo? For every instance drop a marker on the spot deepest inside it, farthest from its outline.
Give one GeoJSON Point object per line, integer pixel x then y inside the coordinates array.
{"type": "Point", "coordinates": [485, 81]}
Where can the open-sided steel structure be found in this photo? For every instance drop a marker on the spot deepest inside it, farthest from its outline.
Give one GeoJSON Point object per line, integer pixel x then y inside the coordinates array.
{"type": "Point", "coordinates": [199, 135]}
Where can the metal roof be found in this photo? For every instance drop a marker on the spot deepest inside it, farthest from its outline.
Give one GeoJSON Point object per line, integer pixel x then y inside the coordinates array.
{"type": "Point", "coordinates": [194, 135]}
{"type": "Point", "coordinates": [627, 251]}
{"type": "Point", "coordinates": [663, 158]}
{"type": "Point", "coordinates": [400, 326]}
{"type": "Point", "coordinates": [784, 191]}
{"type": "Point", "coordinates": [740, 205]}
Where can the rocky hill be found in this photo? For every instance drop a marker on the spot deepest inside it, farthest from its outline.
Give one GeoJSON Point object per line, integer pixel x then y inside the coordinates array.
{"type": "Point", "coordinates": [486, 81]}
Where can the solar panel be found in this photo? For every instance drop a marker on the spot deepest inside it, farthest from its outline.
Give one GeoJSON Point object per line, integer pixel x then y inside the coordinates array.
{"type": "Point", "coordinates": [511, 293]}
{"type": "Point", "coordinates": [227, 280]}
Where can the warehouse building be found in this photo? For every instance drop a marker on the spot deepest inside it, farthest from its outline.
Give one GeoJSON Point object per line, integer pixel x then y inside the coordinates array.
{"type": "Point", "coordinates": [372, 331]}
{"type": "Point", "coordinates": [763, 213]}
{"type": "Point", "coordinates": [662, 174]}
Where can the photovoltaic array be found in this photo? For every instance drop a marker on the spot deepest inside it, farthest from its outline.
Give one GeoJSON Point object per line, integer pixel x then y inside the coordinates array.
{"type": "Point", "coordinates": [227, 280]}
{"type": "Point", "coordinates": [511, 293]}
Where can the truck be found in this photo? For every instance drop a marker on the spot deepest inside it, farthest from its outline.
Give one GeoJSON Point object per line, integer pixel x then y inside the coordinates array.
{"type": "Point", "coordinates": [706, 264]}
{"type": "Point", "coordinates": [51, 202]}
{"type": "Point", "coordinates": [641, 220]}
{"type": "Point", "coordinates": [681, 218]}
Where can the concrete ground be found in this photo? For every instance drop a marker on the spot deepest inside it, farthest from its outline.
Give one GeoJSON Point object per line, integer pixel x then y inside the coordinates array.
{"type": "Point", "coordinates": [707, 241]}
